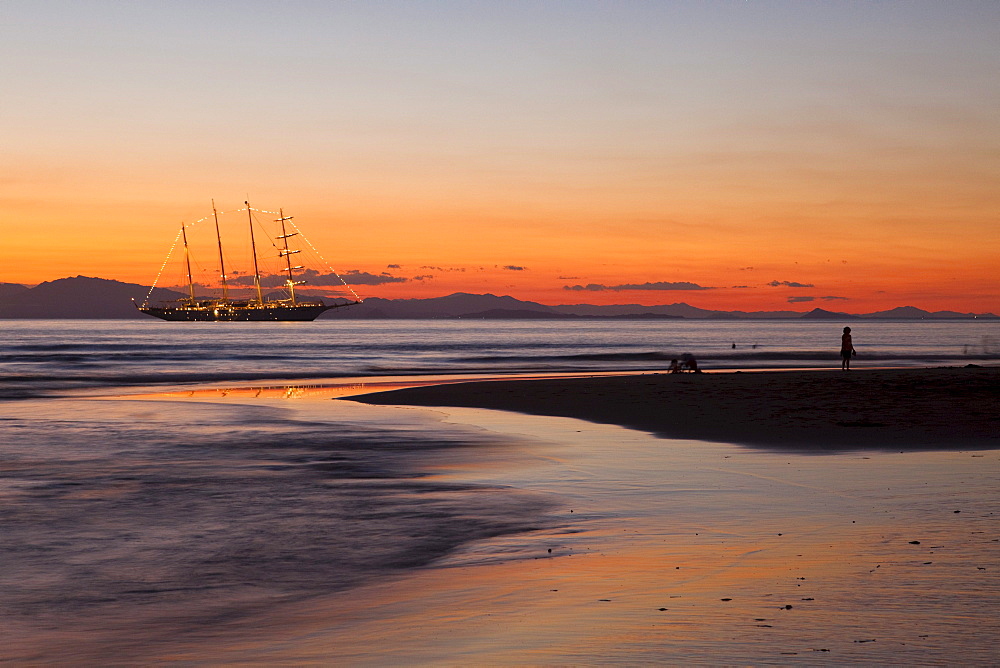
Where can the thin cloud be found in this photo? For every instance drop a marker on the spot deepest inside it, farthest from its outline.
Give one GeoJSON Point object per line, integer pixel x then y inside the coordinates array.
{"type": "Point", "coordinates": [266, 281]}
{"type": "Point", "coordinates": [352, 277]}
{"type": "Point", "coordinates": [514, 267]}
{"type": "Point", "coordinates": [355, 277]}
{"type": "Point", "coordinates": [437, 268]}
{"type": "Point", "coordinates": [791, 284]}
{"type": "Point", "coordinates": [658, 285]}
{"type": "Point", "coordinates": [828, 298]}
{"type": "Point", "coordinates": [314, 278]}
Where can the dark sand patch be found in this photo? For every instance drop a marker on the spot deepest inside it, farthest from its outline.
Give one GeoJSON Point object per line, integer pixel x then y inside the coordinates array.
{"type": "Point", "coordinates": [944, 408]}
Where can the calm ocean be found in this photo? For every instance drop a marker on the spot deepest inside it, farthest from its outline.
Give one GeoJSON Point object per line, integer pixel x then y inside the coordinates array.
{"type": "Point", "coordinates": [38, 356]}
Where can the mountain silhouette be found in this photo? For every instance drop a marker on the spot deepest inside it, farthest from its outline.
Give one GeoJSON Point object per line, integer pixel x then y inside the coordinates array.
{"type": "Point", "coordinates": [88, 297]}
{"type": "Point", "coordinates": [680, 309]}
{"type": "Point", "coordinates": [451, 306]}
{"type": "Point", "coordinates": [12, 291]}
{"type": "Point", "coordinates": [80, 297]}
{"type": "Point", "coordinates": [821, 314]}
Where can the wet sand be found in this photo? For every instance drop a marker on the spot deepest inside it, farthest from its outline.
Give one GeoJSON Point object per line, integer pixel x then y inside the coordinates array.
{"type": "Point", "coordinates": [896, 409]}
{"type": "Point", "coordinates": [645, 550]}
{"type": "Point", "coordinates": [672, 552]}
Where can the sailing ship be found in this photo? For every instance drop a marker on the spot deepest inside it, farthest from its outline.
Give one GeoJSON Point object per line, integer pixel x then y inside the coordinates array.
{"type": "Point", "coordinates": [255, 308]}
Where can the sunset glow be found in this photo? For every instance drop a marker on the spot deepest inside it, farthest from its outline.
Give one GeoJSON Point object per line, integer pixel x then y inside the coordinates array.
{"type": "Point", "coordinates": [771, 155]}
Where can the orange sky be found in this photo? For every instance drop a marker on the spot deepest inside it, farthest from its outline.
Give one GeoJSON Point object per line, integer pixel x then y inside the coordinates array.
{"type": "Point", "coordinates": [853, 150]}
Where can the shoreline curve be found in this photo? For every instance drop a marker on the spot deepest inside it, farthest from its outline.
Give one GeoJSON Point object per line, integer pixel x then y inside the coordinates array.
{"type": "Point", "coordinates": [952, 408]}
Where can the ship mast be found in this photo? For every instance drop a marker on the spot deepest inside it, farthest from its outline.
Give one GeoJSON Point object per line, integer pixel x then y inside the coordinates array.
{"type": "Point", "coordinates": [286, 253]}
{"type": "Point", "coordinates": [222, 263]}
{"type": "Point", "coordinates": [187, 260]}
{"type": "Point", "coordinates": [256, 269]}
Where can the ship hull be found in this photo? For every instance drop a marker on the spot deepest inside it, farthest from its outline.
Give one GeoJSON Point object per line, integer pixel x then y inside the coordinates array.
{"type": "Point", "coordinates": [222, 313]}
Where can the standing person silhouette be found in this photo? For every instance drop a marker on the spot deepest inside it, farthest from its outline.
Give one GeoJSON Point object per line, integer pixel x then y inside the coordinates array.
{"type": "Point", "coordinates": [846, 350]}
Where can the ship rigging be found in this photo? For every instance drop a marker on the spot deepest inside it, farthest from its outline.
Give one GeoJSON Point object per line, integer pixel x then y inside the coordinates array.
{"type": "Point", "coordinates": [257, 307]}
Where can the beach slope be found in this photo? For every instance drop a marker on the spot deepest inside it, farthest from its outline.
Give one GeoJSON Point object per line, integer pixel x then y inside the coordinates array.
{"type": "Point", "coordinates": [899, 409]}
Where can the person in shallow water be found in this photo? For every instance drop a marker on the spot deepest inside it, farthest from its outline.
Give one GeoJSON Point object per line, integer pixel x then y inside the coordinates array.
{"type": "Point", "coordinates": [846, 349]}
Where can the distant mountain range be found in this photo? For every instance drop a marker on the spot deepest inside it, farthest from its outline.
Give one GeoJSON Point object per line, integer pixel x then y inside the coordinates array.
{"type": "Point", "coordinates": [85, 297]}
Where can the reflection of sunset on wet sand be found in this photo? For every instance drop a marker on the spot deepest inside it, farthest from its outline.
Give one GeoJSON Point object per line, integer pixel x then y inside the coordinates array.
{"type": "Point", "coordinates": [340, 387]}
{"type": "Point", "coordinates": [677, 552]}
{"type": "Point", "coordinates": [272, 524]}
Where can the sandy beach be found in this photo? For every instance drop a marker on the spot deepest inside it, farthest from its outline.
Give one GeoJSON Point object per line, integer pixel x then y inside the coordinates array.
{"type": "Point", "coordinates": [896, 409]}
{"type": "Point", "coordinates": [307, 531]}
{"type": "Point", "coordinates": [651, 552]}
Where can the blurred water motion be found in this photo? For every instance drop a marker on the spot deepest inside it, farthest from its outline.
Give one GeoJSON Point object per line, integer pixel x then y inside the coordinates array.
{"type": "Point", "coordinates": [48, 356]}
{"type": "Point", "coordinates": [213, 520]}
{"type": "Point", "coordinates": [141, 519]}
